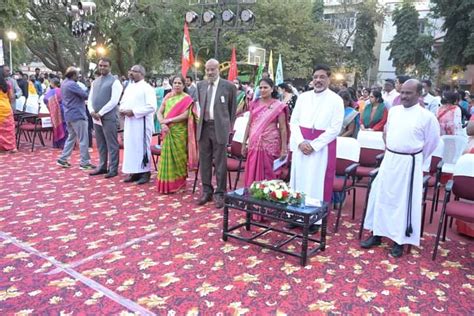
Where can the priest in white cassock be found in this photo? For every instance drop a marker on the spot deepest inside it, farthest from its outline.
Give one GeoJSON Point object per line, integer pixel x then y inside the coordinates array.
{"type": "Point", "coordinates": [315, 123]}
{"type": "Point", "coordinates": [137, 106]}
{"type": "Point", "coordinates": [394, 207]}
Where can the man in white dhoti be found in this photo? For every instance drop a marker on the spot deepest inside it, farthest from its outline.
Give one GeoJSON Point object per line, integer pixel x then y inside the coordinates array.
{"type": "Point", "coordinates": [394, 207]}
{"type": "Point", "coordinates": [138, 105]}
{"type": "Point", "coordinates": [315, 123]}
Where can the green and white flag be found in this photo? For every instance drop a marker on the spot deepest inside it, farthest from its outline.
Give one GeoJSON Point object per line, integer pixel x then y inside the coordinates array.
{"type": "Point", "coordinates": [279, 72]}
{"type": "Point", "coordinates": [259, 74]}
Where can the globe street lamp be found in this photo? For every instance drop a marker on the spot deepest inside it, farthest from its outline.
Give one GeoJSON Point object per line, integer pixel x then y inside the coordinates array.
{"type": "Point", "coordinates": [11, 37]}
{"type": "Point", "coordinates": [339, 76]}
{"type": "Point", "coordinates": [101, 51]}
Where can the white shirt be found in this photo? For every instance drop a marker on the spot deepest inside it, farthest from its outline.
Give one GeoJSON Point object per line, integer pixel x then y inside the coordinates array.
{"type": "Point", "coordinates": [408, 130]}
{"type": "Point", "coordinates": [113, 102]}
{"type": "Point", "coordinates": [431, 103]}
{"type": "Point", "coordinates": [322, 111]}
{"type": "Point", "coordinates": [211, 105]}
{"type": "Point", "coordinates": [141, 99]}
{"type": "Point", "coordinates": [389, 97]}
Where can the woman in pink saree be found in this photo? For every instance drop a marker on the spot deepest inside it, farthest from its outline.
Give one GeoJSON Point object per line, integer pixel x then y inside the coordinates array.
{"type": "Point", "coordinates": [53, 101]}
{"type": "Point", "coordinates": [267, 133]}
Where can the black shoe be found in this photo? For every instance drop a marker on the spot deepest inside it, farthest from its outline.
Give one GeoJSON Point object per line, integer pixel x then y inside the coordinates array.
{"type": "Point", "coordinates": [371, 241]}
{"type": "Point", "coordinates": [132, 177]}
{"type": "Point", "coordinates": [111, 175]}
{"type": "Point", "coordinates": [145, 178]}
{"type": "Point", "coordinates": [292, 226]}
{"type": "Point", "coordinates": [87, 166]}
{"type": "Point", "coordinates": [205, 197]}
{"type": "Point", "coordinates": [97, 172]}
{"type": "Point", "coordinates": [219, 201]}
{"type": "Point", "coordinates": [314, 228]}
{"type": "Point", "coordinates": [397, 250]}
{"type": "Point", "coordinates": [63, 164]}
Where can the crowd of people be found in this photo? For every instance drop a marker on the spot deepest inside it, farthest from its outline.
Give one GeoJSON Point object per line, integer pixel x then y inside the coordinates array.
{"type": "Point", "coordinates": [195, 121]}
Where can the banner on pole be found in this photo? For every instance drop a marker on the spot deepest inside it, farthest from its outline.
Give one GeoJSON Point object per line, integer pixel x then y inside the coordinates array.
{"type": "Point", "coordinates": [187, 58]}
{"type": "Point", "coordinates": [2, 59]}
{"type": "Point", "coordinates": [233, 72]}
{"type": "Point", "coordinates": [279, 72]}
{"type": "Point", "coordinates": [270, 66]}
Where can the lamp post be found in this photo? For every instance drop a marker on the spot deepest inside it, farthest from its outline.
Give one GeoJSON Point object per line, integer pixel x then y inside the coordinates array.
{"type": "Point", "coordinates": [196, 66]}
{"type": "Point", "coordinates": [219, 15]}
{"type": "Point", "coordinates": [80, 27]}
{"type": "Point", "coordinates": [11, 37]}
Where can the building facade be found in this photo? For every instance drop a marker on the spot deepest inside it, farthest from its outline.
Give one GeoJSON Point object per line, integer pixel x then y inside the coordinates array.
{"type": "Point", "coordinates": [342, 15]}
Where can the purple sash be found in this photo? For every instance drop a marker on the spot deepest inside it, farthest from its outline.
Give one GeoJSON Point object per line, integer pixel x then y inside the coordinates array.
{"type": "Point", "coordinates": [311, 134]}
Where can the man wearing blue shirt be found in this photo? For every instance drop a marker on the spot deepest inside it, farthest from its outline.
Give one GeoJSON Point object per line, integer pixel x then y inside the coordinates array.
{"type": "Point", "coordinates": [76, 118]}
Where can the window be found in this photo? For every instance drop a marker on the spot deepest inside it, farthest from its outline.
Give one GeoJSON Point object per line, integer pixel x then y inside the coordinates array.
{"type": "Point", "coordinates": [422, 26]}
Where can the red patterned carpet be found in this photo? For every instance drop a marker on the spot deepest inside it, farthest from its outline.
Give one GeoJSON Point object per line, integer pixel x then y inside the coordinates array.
{"type": "Point", "coordinates": [73, 244]}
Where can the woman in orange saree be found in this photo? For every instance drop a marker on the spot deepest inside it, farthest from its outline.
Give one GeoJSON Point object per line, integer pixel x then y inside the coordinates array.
{"type": "Point", "coordinates": [7, 123]}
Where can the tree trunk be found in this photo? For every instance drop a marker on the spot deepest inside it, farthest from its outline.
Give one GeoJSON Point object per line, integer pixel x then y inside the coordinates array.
{"type": "Point", "coordinates": [119, 60]}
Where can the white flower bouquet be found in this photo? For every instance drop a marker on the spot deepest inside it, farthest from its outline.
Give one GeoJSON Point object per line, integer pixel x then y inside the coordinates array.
{"type": "Point", "coordinates": [276, 191]}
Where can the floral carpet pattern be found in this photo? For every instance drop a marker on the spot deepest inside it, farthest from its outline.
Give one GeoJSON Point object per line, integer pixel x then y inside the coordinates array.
{"type": "Point", "coordinates": [73, 244]}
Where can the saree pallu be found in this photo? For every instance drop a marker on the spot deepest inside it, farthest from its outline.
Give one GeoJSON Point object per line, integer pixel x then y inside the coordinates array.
{"type": "Point", "coordinates": [57, 119]}
{"type": "Point", "coordinates": [7, 124]}
{"type": "Point", "coordinates": [446, 120]}
{"type": "Point", "coordinates": [241, 98]}
{"type": "Point", "coordinates": [264, 144]}
{"type": "Point", "coordinates": [350, 115]}
{"type": "Point", "coordinates": [369, 121]}
{"type": "Point", "coordinates": [179, 147]}
{"type": "Point", "coordinates": [31, 88]}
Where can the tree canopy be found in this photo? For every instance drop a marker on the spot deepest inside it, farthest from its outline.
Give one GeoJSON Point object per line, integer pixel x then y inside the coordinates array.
{"type": "Point", "coordinates": [410, 51]}
{"type": "Point", "coordinates": [143, 32]}
{"type": "Point", "coordinates": [370, 14]}
{"type": "Point", "coordinates": [458, 45]}
{"type": "Point", "coordinates": [149, 32]}
{"type": "Point", "coordinates": [289, 30]}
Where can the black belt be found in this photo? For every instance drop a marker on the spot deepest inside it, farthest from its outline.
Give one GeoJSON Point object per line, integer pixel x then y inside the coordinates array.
{"type": "Point", "coordinates": [409, 229]}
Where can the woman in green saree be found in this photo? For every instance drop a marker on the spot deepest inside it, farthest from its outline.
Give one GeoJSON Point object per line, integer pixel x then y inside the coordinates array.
{"type": "Point", "coordinates": [375, 114]}
{"type": "Point", "coordinates": [178, 149]}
